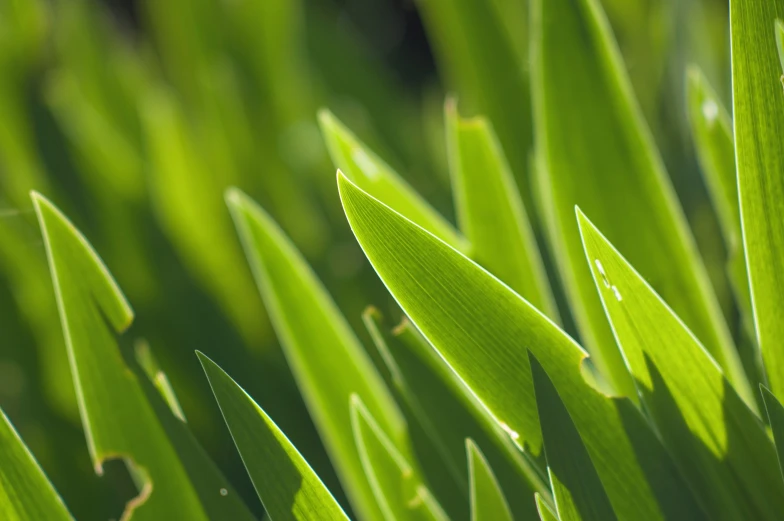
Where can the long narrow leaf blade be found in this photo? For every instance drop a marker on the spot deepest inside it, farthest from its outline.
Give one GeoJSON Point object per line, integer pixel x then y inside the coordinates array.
{"type": "Point", "coordinates": [775, 412]}
{"type": "Point", "coordinates": [577, 489]}
{"type": "Point", "coordinates": [597, 152]}
{"type": "Point", "coordinates": [545, 512]}
{"type": "Point", "coordinates": [25, 492]}
{"type": "Point", "coordinates": [490, 210]}
{"type": "Point", "coordinates": [285, 483]}
{"type": "Point", "coordinates": [118, 420]}
{"type": "Point", "coordinates": [758, 111]}
{"type": "Point", "coordinates": [482, 330]}
{"type": "Point", "coordinates": [487, 499]}
{"type": "Point", "coordinates": [720, 443]}
{"type": "Point", "coordinates": [400, 492]}
{"type": "Point", "coordinates": [327, 360]}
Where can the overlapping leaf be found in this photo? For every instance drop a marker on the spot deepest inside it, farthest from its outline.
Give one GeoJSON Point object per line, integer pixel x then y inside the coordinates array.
{"type": "Point", "coordinates": [776, 418]}
{"type": "Point", "coordinates": [483, 331]}
{"type": "Point", "coordinates": [487, 499]}
{"type": "Point", "coordinates": [596, 151]}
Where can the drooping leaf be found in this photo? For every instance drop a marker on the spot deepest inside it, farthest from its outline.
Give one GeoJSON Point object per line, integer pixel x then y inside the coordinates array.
{"type": "Point", "coordinates": [449, 413]}
{"type": "Point", "coordinates": [399, 490]}
{"type": "Point", "coordinates": [487, 499]}
{"type": "Point", "coordinates": [712, 131]}
{"type": "Point", "coordinates": [370, 172]}
{"type": "Point", "coordinates": [285, 483]}
{"type": "Point", "coordinates": [776, 418]}
{"type": "Point", "coordinates": [545, 512]}
{"type": "Point", "coordinates": [597, 152]}
{"type": "Point", "coordinates": [25, 492]}
{"type": "Point", "coordinates": [118, 420]}
{"type": "Point", "coordinates": [577, 489]}
{"type": "Point", "coordinates": [758, 112]}
{"type": "Point", "coordinates": [327, 360]}
{"type": "Point", "coordinates": [720, 443]}
{"type": "Point", "coordinates": [490, 211]}
{"type": "Point", "coordinates": [482, 329]}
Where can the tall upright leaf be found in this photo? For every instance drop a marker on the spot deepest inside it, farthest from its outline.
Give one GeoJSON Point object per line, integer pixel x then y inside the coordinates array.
{"type": "Point", "coordinates": [487, 499]}
{"type": "Point", "coordinates": [545, 512]}
{"type": "Point", "coordinates": [578, 491]}
{"type": "Point", "coordinates": [597, 152]}
{"type": "Point", "coordinates": [285, 483]}
{"type": "Point", "coordinates": [398, 487]}
{"type": "Point", "coordinates": [483, 330]}
{"type": "Point", "coordinates": [775, 412]}
{"type": "Point", "coordinates": [490, 210]}
{"type": "Point", "coordinates": [25, 492]}
{"type": "Point", "coordinates": [720, 443]}
{"type": "Point", "coordinates": [327, 360]}
{"type": "Point", "coordinates": [118, 420]}
{"type": "Point", "coordinates": [758, 111]}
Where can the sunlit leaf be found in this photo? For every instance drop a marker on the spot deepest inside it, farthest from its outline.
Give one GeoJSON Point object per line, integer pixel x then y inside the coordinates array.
{"type": "Point", "coordinates": [327, 360]}
{"type": "Point", "coordinates": [483, 331]}
{"type": "Point", "coordinates": [758, 112]}
{"type": "Point", "coordinates": [399, 490]}
{"type": "Point", "coordinates": [285, 483]}
{"type": "Point", "coordinates": [487, 499]}
{"type": "Point", "coordinates": [490, 211]}
{"type": "Point", "coordinates": [721, 444]}
{"type": "Point", "coordinates": [545, 512]}
{"type": "Point", "coordinates": [25, 492]}
{"type": "Point", "coordinates": [597, 152]}
{"type": "Point", "coordinates": [578, 491]}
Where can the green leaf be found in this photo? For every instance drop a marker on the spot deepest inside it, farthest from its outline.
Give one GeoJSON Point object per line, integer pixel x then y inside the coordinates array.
{"type": "Point", "coordinates": [482, 329]}
{"type": "Point", "coordinates": [720, 443]}
{"type": "Point", "coordinates": [490, 211]}
{"type": "Point", "coordinates": [545, 512]}
{"type": "Point", "coordinates": [396, 484]}
{"type": "Point", "coordinates": [149, 364]}
{"type": "Point", "coordinates": [449, 413]}
{"type": "Point", "coordinates": [25, 492]}
{"type": "Point", "coordinates": [370, 172]}
{"type": "Point", "coordinates": [780, 42]}
{"type": "Point", "coordinates": [327, 360]}
{"type": "Point", "coordinates": [597, 152]}
{"type": "Point", "coordinates": [487, 499]}
{"type": "Point", "coordinates": [578, 491]}
{"type": "Point", "coordinates": [285, 483]}
{"type": "Point", "coordinates": [776, 418]}
{"type": "Point", "coordinates": [118, 420]}
{"type": "Point", "coordinates": [712, 131]}
{"type": "Point", "coordinates": [758, 111]}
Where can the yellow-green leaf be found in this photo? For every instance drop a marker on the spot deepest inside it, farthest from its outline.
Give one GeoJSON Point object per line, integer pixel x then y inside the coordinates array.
{"type": "Point", "coordinates": [545, 512]}
{"type": "Point", "coordinates": [719, 442]}
{"type": "Point", "coordinates": [487, 499]}
{"type": "Point", "coordinates": [285, 483]}
{"type": "Point", "coordinates": [775, 412]}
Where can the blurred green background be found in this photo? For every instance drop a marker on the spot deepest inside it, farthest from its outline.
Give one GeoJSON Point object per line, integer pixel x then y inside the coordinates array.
{"type": "Point", "coordinates": [134, 116]}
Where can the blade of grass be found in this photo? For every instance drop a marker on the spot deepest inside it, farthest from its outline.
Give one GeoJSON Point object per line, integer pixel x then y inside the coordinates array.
{"type": "Point", "coordinates": [449, 413]}
{"type": "Point", "coordinates": [720, 443]}
{"type": "Point", "coordinates": [487, 499]}
{"type": "Point", "coordinates": [399, 489]}
{"type": "Point", "coordinates": [545, 512]}
{"type": "Point", "coordinates": [25, 492]}
{"type": "Point", "coordinates": [758, 111]}
{"type": "Point", "coordinates": [775, 411]}
{"type": "Point", "coordinates": [490, 210]}
{"type": "Point", "coordinates": [327, 360]}
{"type": "Point", "coordinates": [578, 491]}
{"type": "Point", "coordinates": [482, 330]}
{"type": "Point", "coordinates": [118, 420]}
{"type": "Point", "coordinates": [597, 152]}
{"type": "Point", "coordinates": [285, 483]}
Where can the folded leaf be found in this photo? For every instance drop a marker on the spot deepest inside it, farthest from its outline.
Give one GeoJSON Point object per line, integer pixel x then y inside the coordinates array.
{"type": "Point", "coordinates": [578, 491]}
{"type": "Point", "coordinates": [720, 443]}
{"type": "Point", "coordinates": [118, 420]}
{"type": "Point", "coordinates": [597, 152]}
{"type": "Point", "coordinates": [285, 483]}
{"type": "Point", "coordinates": [370, 172]}
{"type": "Point", "coordinates": [399, 490]}
{"type": "Point", "coordinates": [758, 111]}
{"type": "Point", "coordinates": [25, 492]}
{"type": "Point", "coordinates": [487, 499]}
{"type": "Point", "coordinates": [483, 330]}
{"type": "Point", "coordinates": [327, 360]}
{"type": "Point", "coordinates": [776, 418]}
{"type": "Point", "coordinates": [490, 211]}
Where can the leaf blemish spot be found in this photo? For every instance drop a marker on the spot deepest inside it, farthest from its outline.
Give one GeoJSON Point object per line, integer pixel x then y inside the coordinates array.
{"type": "Point", "coordinates": [617, 293]}
{"type": "Point", "coordinates": [600, 268]}
{"type": "Point", "coordinates": [224, 492]}
{"type": "Point", "coordinates": [513, 434]}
